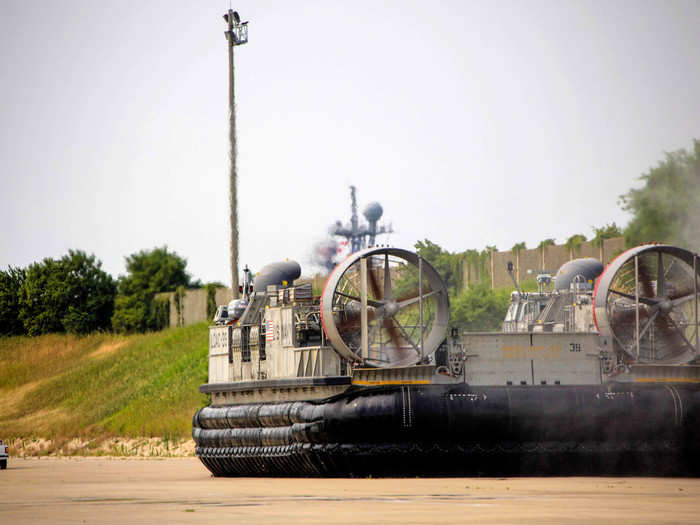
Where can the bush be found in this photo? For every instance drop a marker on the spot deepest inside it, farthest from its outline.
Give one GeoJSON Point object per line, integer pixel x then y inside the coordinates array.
{"type": "Point", "coordinates": [72, 294]}
{"type": "Point", "coordinates": [149, 272]}
{"type": "Point", "coordinates": [131, 313]}
{"type": "Point", "coordinates": [480, 309]}
{"type": "Point", "coordinates": [11, 283]}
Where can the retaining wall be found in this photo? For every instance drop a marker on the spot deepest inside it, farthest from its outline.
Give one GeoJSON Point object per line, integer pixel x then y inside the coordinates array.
{"type": "Point", "coordinates": [496, 275]}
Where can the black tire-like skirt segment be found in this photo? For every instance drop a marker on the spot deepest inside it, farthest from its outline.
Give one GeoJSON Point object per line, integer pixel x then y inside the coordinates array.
{"type": "Point", "coordinates": [459, 430]}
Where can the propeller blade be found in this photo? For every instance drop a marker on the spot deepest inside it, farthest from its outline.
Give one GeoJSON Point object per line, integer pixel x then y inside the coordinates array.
{"type": "Point", "coordinates": [629, 317]}
{"type": "Point", "coordinates": [660, 283]}
{"type": "Point", "coordinates": [387, 279]}
{"type": "Point", "coordinates": [650, 302]}
{"type": "Point", "coordinates": [412, 300]}
{"type": "Point", "coordinates": [645, 278]}
{"type": "Point", "coordinates": [399, 355]}
{"type": "Point", "coordinates": [393, 333]}
{"type": "Point", "coordinates": [684, 293]}
{"type": "Point", "coordinates": [352, 320]}
{"type": "Point", "coordinates": [373, 282]}
{"type": "Point", "coordinates": [677, 301]}
{"type": "Point", "coordinates": [413, 294]}
{"type": "Point", "coordinates": [669, 337]}
{"type": "Point", "coordinates": [679, 332]}
{"type": "Point", "coordinates": [370, 302]}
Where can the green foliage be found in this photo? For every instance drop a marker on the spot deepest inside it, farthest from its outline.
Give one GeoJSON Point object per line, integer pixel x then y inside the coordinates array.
{"type": "Point", "coordinates": [161, 312]}
{"type": "Point", "coordinates": [447, 264]}
{"type": "Point", "coordinates": [480, 262]}
{"type": "Point", "coordinates": [72, 294]}
{"type": "Point", "coordinates": [480, 309]}
{"type": "Point", "coordinates": [211, 298]}
{"type": "Point", "coordinates": [542, 246]}
{"type": "Point", "coordinates": [179, 297]}
{"type": "Point", "coordinates": [471, 260]}
{"type": "Point", "coordinates": [149, 272]}
{"type": "Point", "coordinates": [609, 231]}
{"type": "Point", "coordinates": [156, 270]}
{"type": "Point", "coordinates": [442, 260]}
{"type": "Point", "coordinates": [667, 207]}
{"type": "Point", "coordinates": [574, 242]}
{"type": "Point", "coordinates": [42, 300]}
{"type": "Point", "coordinates": [11, 283]}
{"type": "Point", "coordinates": [103, 384]}
{"type": "Point", "coordinates": [131, 312]}
{"type": "Point", "coordinates": [518, 247]}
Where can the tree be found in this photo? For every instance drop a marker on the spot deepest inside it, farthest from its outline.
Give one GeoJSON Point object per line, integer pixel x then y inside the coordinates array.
{"type": "Point", "coordinates": [480, 309]}
{"type": "Point", "coordinates": [156, 270]}
{"type": "Point", "coordinates": [11, 283]}
{"type": "Point", "coordinates": [667, 207]}
{"type": "Point", "coordinates": [131, 312]}
{"type": "Point", "coordinates": [72, 294]}
{"type": "Point", "coordinates": [542, 247]}
{"type": "Point", "coordinates": [609, 231]}
{"type": "Point", "coordinates": [149, 272]}
{"type": "Point", "coordinates": [448, 265]}
{"type": "Point", "coordinates": [573, 244]}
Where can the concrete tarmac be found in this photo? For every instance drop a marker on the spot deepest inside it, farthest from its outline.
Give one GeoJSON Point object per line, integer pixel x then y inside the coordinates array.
{"type": "Point", "coordinates": [181, 490]}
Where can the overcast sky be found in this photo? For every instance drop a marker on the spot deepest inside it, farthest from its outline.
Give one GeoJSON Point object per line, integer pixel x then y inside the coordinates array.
{"type": "Point", "coordinates": [473, 123]}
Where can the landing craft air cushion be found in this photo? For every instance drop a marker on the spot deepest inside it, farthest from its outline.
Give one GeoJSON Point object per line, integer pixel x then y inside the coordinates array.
{"type": "Point", "coordinates": [366, 380]}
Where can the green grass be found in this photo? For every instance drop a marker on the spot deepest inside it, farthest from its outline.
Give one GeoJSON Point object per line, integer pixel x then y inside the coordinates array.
{"type": "Point", "coordinates": [61, 386]}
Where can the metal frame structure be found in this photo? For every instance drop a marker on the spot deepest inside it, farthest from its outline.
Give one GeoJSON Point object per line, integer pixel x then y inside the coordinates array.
{"type": "Point", "coordinates": [379, 311]}
{"type": "Point", "coordinates": [660, 297]}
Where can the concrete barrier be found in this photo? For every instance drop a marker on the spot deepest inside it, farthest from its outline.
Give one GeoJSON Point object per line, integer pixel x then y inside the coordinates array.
{"type": "Point", "coordinates": [494, 272]}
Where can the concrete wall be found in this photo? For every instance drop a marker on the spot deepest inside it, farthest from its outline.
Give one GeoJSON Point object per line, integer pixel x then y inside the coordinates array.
{"type": "Point", "coordinates": [194, 305]}
{"type": "Point", "coordinates": [554, 257]}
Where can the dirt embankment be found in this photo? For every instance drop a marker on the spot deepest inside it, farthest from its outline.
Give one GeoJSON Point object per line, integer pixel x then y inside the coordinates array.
{"type": "Point", "coordinates": [113, 446]}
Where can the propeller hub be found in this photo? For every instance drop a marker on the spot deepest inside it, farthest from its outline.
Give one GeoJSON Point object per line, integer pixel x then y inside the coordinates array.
{"type": "Point", "coordinates": [390, 309]}
{"type": "Point", "coordinates": [666, 305]}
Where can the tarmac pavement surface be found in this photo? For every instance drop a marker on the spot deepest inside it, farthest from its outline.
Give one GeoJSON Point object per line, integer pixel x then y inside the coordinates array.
{"type": "Point", "coordinates": [181, 490]}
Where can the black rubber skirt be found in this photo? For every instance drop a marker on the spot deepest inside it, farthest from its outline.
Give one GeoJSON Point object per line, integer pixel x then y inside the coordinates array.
{"type": "Point", "coordinates": [432, 430]}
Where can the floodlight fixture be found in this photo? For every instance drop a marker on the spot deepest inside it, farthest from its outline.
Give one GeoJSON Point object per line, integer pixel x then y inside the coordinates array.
{"type": "Point", "coordinates": [237, 33]}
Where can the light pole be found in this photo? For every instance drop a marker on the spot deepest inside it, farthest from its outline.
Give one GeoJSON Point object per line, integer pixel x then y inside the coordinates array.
{"type": "Point", "coordinates": [236, 34]}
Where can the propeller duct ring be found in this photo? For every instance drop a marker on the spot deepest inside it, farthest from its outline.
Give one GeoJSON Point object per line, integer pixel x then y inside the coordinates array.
{"type": "Point", "coordinates": [382, 310]}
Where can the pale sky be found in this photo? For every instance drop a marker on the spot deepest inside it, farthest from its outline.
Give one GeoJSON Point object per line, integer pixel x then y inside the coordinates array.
{"type": "Point", "coordinates": [473, 123]}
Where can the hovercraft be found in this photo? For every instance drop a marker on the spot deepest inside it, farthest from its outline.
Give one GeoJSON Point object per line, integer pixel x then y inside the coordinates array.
{"type": "Point", "coordinates": [365, 379]}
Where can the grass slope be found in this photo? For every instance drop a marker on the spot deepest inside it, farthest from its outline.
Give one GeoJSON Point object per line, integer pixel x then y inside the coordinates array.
{"type": "Point", "coordinates": [61, 386]}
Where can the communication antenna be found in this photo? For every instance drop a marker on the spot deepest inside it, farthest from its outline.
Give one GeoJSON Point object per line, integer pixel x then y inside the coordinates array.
{"type": "Point", "coordinates": [236, 34]}
{"type": "Point", "coordinates": [360, 236]}
{"type": "Point", "coordinates": [355, 241]}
